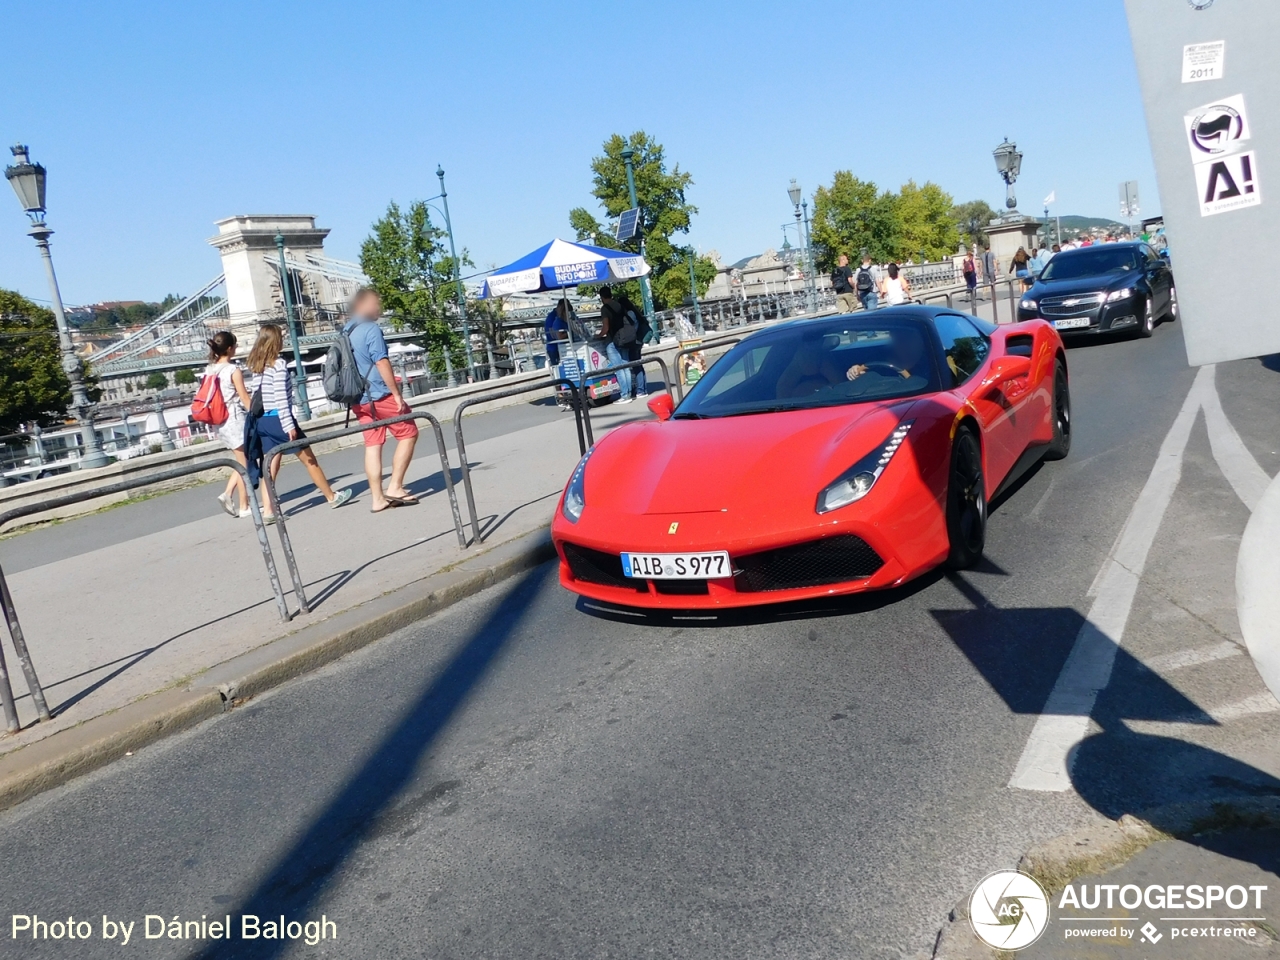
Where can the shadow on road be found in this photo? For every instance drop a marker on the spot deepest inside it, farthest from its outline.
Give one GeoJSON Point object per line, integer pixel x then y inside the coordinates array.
{"type": "Point", "coordinates": [363, 807]}
{"type": "Point", "coordinates": [1116, 770]}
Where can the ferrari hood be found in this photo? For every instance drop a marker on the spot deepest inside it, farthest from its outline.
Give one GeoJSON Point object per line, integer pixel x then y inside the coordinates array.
{"type": "Point", "coordinates": [729, 463]}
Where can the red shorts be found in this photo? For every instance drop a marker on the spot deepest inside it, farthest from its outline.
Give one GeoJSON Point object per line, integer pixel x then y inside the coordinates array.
{"type": "Point", "coordinates": [381, 410]}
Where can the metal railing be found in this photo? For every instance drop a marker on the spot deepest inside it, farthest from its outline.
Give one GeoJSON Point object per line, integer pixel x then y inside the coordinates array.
{"type": "Point", "coordinates": [53, 503]}
{"type": "Point", "coordinates": [291, 446]}
{"type": "Point", "coordinates": [701, 348]}
{"type": "Point", "coordinates": [581, 415]}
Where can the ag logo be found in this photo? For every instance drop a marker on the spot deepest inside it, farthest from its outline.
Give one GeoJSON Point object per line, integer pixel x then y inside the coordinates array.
{"type": "Point", "coordinates": [1217, 128]}
{"type": "Point", "coordinates": [1009, 910]}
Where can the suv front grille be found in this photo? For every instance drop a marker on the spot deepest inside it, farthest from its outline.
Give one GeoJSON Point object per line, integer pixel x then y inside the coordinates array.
{"type": "Point", "coordinates": [832, 560]}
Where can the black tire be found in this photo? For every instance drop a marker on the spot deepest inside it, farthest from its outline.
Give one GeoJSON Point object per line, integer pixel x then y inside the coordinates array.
{"type": "Point", "coordinates": [1147, 325]}
{"type": "Point", "coordinates": [966, 502]}
{"type": "Point", "coordinates": [1061, 444]}
{"type": "Point", "coordinates": [1172, 313]}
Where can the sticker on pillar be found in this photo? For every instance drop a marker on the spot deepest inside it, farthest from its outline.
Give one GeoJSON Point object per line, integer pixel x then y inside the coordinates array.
{"type": "Point", "coordinates": [1203, 61]}
{"type": "Point", "coordinates": [1228, 183]}
{"type": "Point", "coordinates": [1217, 128]}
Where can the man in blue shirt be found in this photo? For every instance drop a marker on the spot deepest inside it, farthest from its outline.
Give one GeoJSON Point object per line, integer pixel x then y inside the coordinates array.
{"type": "Point", "coordinates": [381, 400]}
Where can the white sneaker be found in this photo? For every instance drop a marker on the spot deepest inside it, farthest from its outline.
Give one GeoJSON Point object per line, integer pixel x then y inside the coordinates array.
{"type": "Point", "coordinates": [246, 512]}
{"type": "Point", "coordinates": [228, 507]}
{"type": "Point", "coordinates": [623, 400]}
{"type": "Point", "coordinates": [340, 497]}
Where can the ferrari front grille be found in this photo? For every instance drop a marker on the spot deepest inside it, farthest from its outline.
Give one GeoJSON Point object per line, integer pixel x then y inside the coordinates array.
{"type": "Point", "coordinates": [596, 566]}
{"type": "Point", "coordinates": [831, 560]}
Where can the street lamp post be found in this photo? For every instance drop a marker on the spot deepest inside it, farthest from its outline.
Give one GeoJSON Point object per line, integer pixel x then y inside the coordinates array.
{"type": "Point", "coordinates": [457, 277]}
{"type": "Point", "coordinates": [1008, 165]}
{"type": "Point", "coordinates": [299, 375]}
{"type": "Point", "coordinates": [28, 180]}
{"type": "Point", "coordinates": [693, 290]}
{"type": "Point", "coordinates": [802, 227]}
{"type": "Point", "coordinates": [628, 155]}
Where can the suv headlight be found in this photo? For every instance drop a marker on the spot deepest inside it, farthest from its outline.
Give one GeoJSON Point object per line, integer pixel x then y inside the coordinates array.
{"type": "Point", "coordinates": [1029, 304]}
{"type": "Point", "coordinates": [1124, 294]}
{"type": "Point", "coordinates": [575, 495]}
{"type": "Point", "coordinates": [856, 482]}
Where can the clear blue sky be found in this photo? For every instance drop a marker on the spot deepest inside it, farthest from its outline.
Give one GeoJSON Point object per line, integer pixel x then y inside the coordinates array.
{"type": "Point", "coordinates": [157, 118]}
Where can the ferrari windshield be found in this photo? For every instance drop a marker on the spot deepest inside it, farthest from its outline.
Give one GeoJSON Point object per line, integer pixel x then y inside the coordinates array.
{"type": "Point", "coordinates": [817, 364]}
{"type": "Point", "coordinates": [1076, 264]}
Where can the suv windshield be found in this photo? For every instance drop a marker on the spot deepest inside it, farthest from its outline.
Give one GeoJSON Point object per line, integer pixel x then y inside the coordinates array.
{"type": "Point", "coordinates": [817, 364]}
{"type": "Point", "coordinates": [1074, 264]}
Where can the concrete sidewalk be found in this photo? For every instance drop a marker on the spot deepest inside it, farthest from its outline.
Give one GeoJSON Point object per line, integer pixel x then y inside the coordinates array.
{"type": "Point", "coordinates": [116, 624]}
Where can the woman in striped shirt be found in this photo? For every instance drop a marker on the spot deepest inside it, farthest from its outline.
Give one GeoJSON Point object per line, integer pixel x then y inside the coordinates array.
{"type": "Point", "coordinates": [274, 423]}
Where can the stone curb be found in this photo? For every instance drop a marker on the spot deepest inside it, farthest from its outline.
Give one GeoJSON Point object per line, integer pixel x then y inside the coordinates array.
{"type": "Point", "coordinates": [95, 743]}
{"type": "Point", "coordinates": [1102, 846]}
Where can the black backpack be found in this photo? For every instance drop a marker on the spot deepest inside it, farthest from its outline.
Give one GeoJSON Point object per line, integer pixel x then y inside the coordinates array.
{"type": "Point", "coordinates": [866, 282]}
{"type": "Point", "coordinates": [342, 380]}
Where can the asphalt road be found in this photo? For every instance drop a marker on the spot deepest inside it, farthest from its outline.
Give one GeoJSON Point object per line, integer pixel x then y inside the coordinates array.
{"type": "Point", "coordinates": [520, 778]}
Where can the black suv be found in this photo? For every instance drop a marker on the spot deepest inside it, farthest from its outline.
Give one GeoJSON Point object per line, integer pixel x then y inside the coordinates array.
{"type": "Point", "coordinates": [1109, 287]}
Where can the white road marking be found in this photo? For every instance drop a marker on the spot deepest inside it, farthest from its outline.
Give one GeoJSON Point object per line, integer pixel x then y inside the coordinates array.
{"type": "Point", "coordinates": [1237, 464]}
{"type": "Point", "coordinates": [1064, 721]}
{"type": "Point", "coordinates": [1190, 658]}
{"type": "Point", "coordinates": [1258, 703]}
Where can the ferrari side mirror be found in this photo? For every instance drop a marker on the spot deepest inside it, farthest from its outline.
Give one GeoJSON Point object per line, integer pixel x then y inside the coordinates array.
{"type": "Point", "coordinates": [1009, 368]}
{"type": "Point", "coordinates": [662, 405]}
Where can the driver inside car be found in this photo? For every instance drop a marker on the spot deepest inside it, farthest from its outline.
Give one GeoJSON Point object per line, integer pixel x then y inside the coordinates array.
{"type": "Point", "coordinates": [909, 358]}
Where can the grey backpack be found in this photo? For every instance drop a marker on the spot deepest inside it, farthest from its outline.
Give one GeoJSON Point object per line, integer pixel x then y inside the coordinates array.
{"type": "Point", "coordinates": [342, 381]}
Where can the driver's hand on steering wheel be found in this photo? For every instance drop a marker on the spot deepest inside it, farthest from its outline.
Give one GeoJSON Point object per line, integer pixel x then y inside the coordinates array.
{"type": "Point", "coordinates": [854, 372]}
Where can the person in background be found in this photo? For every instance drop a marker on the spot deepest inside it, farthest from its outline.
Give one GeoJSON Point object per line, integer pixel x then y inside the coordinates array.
{"type": "Point", "coordinates": [276, 424]}
{"type": "Point", "coordinates": [222, 352]}
{"type": "Point", "coordinates": [842, 284]}
{"type": "Point", "coordinates": [381, 401]}
{"type": "Point", "coordinates": [1020, 267]}
{"type": "Point", "coordinates": [611, 319]}
{"type": "Point", "coordinates": [635, 350]}
{"type": "Point", "coordinates": [989, 266]}
{"type": "Point", "coordinates": [556, 328]}
{"type": "Point", "coordinates": [865, 283]}
{"type": "Point", "coordinates": [894, 288]}
{"type": "Point", "coordinates": [969, 270]}
{"type": "Point", "coordinates": [1055, 251]}
{"type": "Point", "coordinates": [1038, 262]}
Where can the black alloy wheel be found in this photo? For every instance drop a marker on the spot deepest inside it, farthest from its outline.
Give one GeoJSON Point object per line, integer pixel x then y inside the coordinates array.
{"type": "Point", "coordinates": [1061, 443]}
{"type": "Point", "coordinates": [966, 502]}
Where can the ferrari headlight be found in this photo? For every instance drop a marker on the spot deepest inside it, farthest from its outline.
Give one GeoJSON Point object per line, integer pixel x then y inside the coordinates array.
{"type": "Point", "coordinates": [856, 482]}
{"type": "Point", "coordinates": [1124, 294]}
{"type": "Point", "coordinates": [1029, 304]}
{"type": "Point", "coordinates": [575, 495]}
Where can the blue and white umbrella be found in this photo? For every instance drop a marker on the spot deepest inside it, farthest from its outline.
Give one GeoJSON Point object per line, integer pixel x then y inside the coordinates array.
{"type": "Point", "coordinates": [561, 264]}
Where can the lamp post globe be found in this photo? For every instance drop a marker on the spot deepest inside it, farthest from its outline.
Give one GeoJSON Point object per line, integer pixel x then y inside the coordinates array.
{"type": "Point", "coordinates": [1008, 165]}
{"type": "Point", "coordinates": [28, 181]}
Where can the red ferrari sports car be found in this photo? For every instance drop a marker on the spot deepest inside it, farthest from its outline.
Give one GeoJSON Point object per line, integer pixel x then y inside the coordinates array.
{"type": "Point", "coordinates": [817, 457]}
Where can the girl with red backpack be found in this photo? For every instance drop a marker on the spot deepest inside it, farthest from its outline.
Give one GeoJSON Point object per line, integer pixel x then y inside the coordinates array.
{"type": "Point", "coordinates": [223, 387]}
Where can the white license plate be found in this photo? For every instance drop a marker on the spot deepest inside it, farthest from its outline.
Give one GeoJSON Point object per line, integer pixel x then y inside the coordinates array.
{"type": "Point", "coordinates": [677, 566]}
{"type": "Point", "coordinates": [1071, 323]}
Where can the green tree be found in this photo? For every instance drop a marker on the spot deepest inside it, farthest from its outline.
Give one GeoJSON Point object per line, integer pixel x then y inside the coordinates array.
{"type": "Point", "coordinates": [927, 225]}
{"type": "Point", "coordinates": [156, 380]}
{"type": "Point", "coordinates": [972, 219]}
{"type": "Point", "coordinates": [33, 386]}
{"type": "Point", "coordinates": [853, 215]}
{"type": "Point", "coordinates": [184, 377]}
{"type": "Point", "coordinates": [406, 263]}
{"type": "Point", "coordinates": [664, 212]}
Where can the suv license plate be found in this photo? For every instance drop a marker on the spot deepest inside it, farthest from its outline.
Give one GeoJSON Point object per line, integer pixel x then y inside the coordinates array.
{"type": "Point", "coordinates": [677, 566]}
{"type": "Point", "coordinates": [1071, 323]}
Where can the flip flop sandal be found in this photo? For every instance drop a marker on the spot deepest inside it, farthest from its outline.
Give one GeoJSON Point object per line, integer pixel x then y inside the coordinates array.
{"type": "Point", "coordinates": [390, 503]}
{"type": "Point", "coordinates": [408, 501]}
